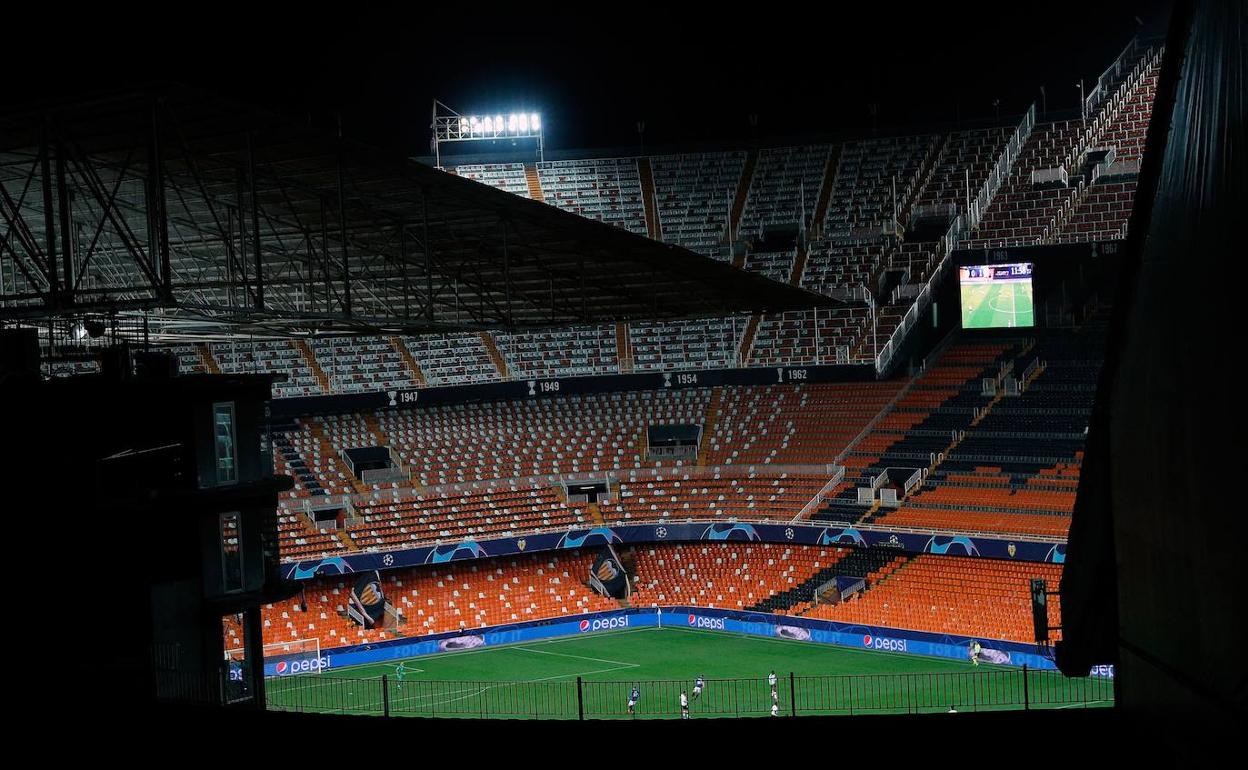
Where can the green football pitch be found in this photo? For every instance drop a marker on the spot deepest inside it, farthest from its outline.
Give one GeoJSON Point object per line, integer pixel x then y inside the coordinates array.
{"type": "Point", "coordinates": [591, 676]}
{"type": "Point", "coordinates": [997, 304]}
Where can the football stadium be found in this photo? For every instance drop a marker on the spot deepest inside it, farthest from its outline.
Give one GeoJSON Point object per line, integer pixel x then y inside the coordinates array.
{"type": "Point", "coordinates": [829, 420]}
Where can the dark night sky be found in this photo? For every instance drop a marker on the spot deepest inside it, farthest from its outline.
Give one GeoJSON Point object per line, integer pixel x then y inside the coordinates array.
{"type": "Point", "coordinates": [693, 76]}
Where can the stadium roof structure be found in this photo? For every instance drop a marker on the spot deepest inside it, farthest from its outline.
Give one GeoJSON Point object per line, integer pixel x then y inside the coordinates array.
{"type": "Point", "coordinates": [208, 219]}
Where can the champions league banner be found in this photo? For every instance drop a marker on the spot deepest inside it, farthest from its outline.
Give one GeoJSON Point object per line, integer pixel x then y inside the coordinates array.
{"type": "Point", "coordinates": [801, 534]}
{"type": "Point", "coordinates": [367, 603]}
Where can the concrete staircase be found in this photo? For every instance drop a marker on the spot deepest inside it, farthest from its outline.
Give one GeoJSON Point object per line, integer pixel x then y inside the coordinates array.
{"type": "Point", "coordinates": [747, 339]}
{"type": "Point", "coordinates": [654, 228]}
{"type": "Point", "coordinates": [409, 361]}
{"type": "Point", "coordinates": [830, 172]}
{"type": "Point", "coordinates": [329, 450]}
{"type": "Point", "coordinates": [207, 358]}
{"type": "Point", "coordinates": [374, 428]}
{"type": "Point", "coordinates": [345, 538]}
{"type": "Point", "coordinates": [743, 191]}
{"type": "Point", "coordinates": [799, 266]}
{"type": "Point", "coordinates": [595, 514]}
{"type": "Point", "coordinates": [534, 182]}
{"type": "Point", "coordinates": [623, 348]}
{"type": "Point", "coordinates": [712, 420]}
{"type": "Point", "coordinates": [309, 358]}
{"type": "Point", "coordinates": [496, 355]}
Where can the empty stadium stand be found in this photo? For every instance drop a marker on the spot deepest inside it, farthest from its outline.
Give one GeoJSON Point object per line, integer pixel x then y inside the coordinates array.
{"type": "Point", "coordinates": [608, 190]}
{"type": "Point", "coordinates": [982, 598]}
{"type": "Point", "coordinates": [695, 196]}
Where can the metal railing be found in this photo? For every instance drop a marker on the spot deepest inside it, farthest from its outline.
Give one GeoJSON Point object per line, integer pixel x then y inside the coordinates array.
{"type": "Point", "coordinates": [579, 699]}
{"type": "Point", "coordinates": [1001, 171]}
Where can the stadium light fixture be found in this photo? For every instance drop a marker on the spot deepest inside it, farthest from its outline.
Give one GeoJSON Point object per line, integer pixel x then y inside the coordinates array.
{"type": "Point", "coordinates": [450, 126]}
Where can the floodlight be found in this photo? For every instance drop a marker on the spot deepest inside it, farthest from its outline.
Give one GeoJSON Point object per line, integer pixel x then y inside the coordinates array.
{"type": "Point", "coordinates": [454, 127]}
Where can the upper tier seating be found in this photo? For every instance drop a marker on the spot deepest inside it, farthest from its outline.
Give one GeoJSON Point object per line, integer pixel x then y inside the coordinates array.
{"type": "Point", "coordinates": [695, 195]}
{"type": "Point", "coordinates": [963, 167]}
{"type": "Point", "coordinates": [785, 187]}
{"type": "Point", "coordinates": [452, 359]}
{"type": "Point", "coordinates": [607, 189]}
{"type": "Point", "coordinates": [863, 195]}
{"type": "Point", "coordinates": [778, 266]}
{"type": "Point", "coordinates": [361, 364]}
{"type": "Point", "coordinates": [271, 357]}
{"type": "Point", "coordinates": [677, 345]}
{"type": "Point", "coordinates": [504, 176]}
{"type": "Point", "coordinates": [811, 337]}
{"type": "Point", "coordinates": [575, 352]}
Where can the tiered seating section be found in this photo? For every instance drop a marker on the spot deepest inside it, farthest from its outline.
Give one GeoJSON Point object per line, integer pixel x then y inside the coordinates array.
{"type": "Point", "coordinates": [484, 470]}
{"type": "Point", "coordinates": [1017, 470]}
{"type": "Point", "coordinates": [862, 198]}
{"type": "Point", "coordinates": [573, 352]}
{"type": "Point", "coordinates": [282, 357]}
{"type": "Point", "coordinates": [785, 187]}
{"type": "Point", "coordinates": [513, 439]}
{"type": "Point", "coordinates": [814, 337]}
{"type": "Point", "coordinates": [451, 597]}
{"type": "Point", "coordinates": [731, 576]}
{"type": "Point", "coordinates": [504, 176]}
{"type": "Point", "coordinates": [608, 190]}
{"type": "Point", "coordinates": [695, 195]}
{"type": "Point", "coordinates": [684, 345]}
{"type": "Point", "coordinates": [964, 165]}
{"type": "Point", "coordinates": [980, 598]}
{"type": "Point", "coordinates": [452, 359]}
{"type": "Point", "coordinates": [361, 364]}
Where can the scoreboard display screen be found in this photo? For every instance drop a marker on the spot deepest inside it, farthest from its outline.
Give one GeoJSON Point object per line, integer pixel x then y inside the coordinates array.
{"type": "Point", "coordinates": [996, 296]}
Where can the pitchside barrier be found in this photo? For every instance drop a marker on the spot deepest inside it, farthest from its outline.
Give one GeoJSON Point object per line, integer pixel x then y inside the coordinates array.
{"type": "Point", "coordinates": [793, 696]}
{"type": "Point", "coordinates": [797, 629]}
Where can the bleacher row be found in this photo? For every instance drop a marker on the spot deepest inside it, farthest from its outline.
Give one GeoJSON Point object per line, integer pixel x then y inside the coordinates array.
{"type": "Point", "coordinates": [486, 469]}
{"type": "Point", "coordinates": [982, 598]}
{"type": "Point", "coordinates": [872, 186]}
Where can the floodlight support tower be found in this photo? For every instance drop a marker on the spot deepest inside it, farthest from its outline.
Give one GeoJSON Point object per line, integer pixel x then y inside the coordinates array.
{"type": "Point", "coordinates": [450, 126]}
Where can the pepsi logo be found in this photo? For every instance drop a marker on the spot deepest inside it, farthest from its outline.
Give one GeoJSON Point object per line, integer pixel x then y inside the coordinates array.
{"type": "Point", "coordinates": [866, 640]}
{"type": "Point", "coordinates": [584, 625]}
{"type": "Point", "coordinates": [693, 619]}
{"type": "Point", "coordinates": [282, 666]}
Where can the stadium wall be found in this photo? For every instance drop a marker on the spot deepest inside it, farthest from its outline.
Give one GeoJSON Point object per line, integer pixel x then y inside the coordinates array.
{"type": "Point", "coordinates": [874, 638]}
{"type": "Point", "coordinates": [521, 389]}
{"type": "Point", "coordinates": [993, 547]}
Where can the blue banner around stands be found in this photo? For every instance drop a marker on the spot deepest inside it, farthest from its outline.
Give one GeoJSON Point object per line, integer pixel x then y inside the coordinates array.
{"type": "Point", "coordinates": [802, 534]}
{"type": "Point", "coordinates": [794, 629]}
